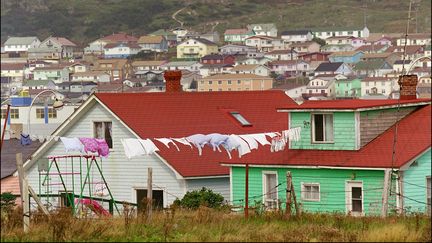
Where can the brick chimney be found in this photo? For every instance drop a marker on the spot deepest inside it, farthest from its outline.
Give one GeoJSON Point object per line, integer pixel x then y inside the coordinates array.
{"type": "Point", "coordinates": [172, 81]}
{"type": "Point", "coordinates": [408, 85]}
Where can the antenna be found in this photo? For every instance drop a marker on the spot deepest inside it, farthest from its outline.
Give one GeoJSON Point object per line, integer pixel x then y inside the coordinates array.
{"type": "Point", "coordinates": [364, 13]}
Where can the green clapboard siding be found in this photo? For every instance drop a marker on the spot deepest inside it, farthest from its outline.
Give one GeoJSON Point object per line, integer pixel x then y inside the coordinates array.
{"type": "Point", "coordinates": [414, 184]}
{"type": "Point", "coordinates": [344, 131]}
{"type": "Point", "coordinates": [332, 186]}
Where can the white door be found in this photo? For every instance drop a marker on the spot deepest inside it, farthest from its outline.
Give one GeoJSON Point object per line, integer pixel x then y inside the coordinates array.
{"type": "Point", "coordinates": [354, 198]}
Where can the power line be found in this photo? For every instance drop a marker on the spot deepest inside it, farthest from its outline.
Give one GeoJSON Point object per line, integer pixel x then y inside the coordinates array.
{"type": "Point", "coordinates": [409, 198]}
{"type": "Point", "coordinates": [409, 183]}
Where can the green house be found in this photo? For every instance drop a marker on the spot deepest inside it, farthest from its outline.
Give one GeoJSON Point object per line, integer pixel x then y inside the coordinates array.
{"type": "Point", "coordinates": [349, 88]}
{"type": "Point", "coordinates": [340, 160]}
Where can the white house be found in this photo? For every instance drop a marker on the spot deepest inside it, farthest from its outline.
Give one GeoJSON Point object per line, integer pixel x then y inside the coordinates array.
{"type": "Point", "coordinates": [356, 32]}
{"type": "Point", "coordinates": [121, 50]}
{"type": "Point", "coordinates": [414, 39]}
{"type": "Point", "coordinates": [14, 71]}
{"type": "Point", "coordinates": [261, 43]}
{"type": "Point", "coordinates": [96, 47]}
{"type": "Point", "coordinates": [117, 116]}
{"type": "Point", "coordinates": [290, 67]}
{"type": "Point", "coordinates": [296, 36]}
{"type": "Point", "coordinates": [21, 44]}
{"type": "Point", "coordinates": [333, 68]}
{"type": "Point", "coordinates": [192, 66]}
{"type": "Point", "coordinates": [320, 87]}
{"type": "Point", "coordinates": [264, 29]}
{"type": "Point", "coordinates": [282, 55]}
{"type": "Point", "coordinates": [94, 76]}
{"type": "Point", "coordinates": [256, 69]}
{"type": "Point", "coordinates": [378, 86]}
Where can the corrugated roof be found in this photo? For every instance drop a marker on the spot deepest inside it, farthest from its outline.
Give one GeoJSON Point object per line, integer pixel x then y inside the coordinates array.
{"type": "Point", "coordinates": [62, 41]}
{"type": "Point", "coordinates": [237, 32]}
{"type": "Point", "coordinates": [119, 37]}
{"type": "Point", "coordinates": [184, 113]}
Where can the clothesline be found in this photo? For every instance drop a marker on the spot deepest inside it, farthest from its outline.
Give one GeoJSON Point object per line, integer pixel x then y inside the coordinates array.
{"type": "Point", "coordinates": [133, 147]}
{"type": "Point", "coordinates": [243, 143]}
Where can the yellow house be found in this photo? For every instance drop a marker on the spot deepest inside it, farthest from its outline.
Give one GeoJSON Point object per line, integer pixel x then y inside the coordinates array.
{"type": "Point", "coordinates": [234, 82]}
{"type": "Point", "coordinates": [196, 48]}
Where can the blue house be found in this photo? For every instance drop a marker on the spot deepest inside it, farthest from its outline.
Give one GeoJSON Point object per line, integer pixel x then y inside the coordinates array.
{"type": "Point", "coordinates": [346, 56]}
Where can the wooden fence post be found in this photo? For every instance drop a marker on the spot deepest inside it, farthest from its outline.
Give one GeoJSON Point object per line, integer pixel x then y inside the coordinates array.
{"type": "Point", "coordinates": [385, 193]}
{"type": "Point", "coordinates": [149, 193]}
{"type": "Point", "coordinates": [297, 208]}
{"type": "Point", "coordinates": [24, 192]}
{"type": "Point", "coordinates": [288, 193]}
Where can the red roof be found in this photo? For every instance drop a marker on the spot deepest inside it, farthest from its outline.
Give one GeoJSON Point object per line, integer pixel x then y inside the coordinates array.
{"type": "Point", "coordinates": [63, 41]}
{"type": "Point", "coordinates": [236, 31]}
{"type": "Point", "coordinates": [414, 130]}
{"type": "Point", "coordinates": [153, 115]}
{"type": "Point", "coordinates": [352, 104]}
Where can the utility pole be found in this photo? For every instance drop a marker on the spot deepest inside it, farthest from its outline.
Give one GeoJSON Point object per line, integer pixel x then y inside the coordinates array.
{"type": "Point", "coordinates": [24, 192]}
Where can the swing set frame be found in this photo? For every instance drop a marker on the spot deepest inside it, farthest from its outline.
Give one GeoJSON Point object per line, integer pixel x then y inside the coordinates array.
{"type": "Point", "coordinates": [90, 160]}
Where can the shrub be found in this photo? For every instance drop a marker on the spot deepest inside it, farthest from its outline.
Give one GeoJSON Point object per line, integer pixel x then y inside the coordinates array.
{"type": "Point", "coordinates": [7, 201]}
{"type": "Point", "coordinates": [203, 197]}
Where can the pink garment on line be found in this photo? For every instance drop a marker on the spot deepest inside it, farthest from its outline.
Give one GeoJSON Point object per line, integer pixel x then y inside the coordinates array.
{"type": "Point", "coordinates": [95, 145]}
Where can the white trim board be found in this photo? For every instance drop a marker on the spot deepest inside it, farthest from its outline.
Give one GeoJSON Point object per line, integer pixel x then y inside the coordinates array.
{"type": "Point", "coordinates": [305, 167]}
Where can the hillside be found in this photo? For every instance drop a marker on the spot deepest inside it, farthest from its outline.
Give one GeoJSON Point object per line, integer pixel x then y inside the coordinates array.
{"type": "Point", "coordinates": [86, 20]}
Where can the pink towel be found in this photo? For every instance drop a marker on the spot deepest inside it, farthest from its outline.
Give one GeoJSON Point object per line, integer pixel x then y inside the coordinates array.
{"type": "Point", "coordinates": [103, 147]}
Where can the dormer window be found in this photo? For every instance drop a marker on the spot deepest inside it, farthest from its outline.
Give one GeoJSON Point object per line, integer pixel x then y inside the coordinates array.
{"type": "Point", "coordinates": [322, 128]}
{"type": "Point", "coordinates": [240, 119]}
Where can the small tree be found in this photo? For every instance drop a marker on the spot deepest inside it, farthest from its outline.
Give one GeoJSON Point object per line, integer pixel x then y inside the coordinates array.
{"type": "Point", "coordinates": [320, 41]}
{"type": "Point", "coordinates": [7, 201]}
{"type": "Point", "coordinates": [203, 197]}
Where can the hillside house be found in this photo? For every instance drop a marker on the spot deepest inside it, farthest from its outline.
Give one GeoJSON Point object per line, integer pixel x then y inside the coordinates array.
{"type": "Point", "coordinates": [234, 82]}
{"type": "Point", "coordinates": [296, 36]}
{"type": "Point", "coordinates": [282, 55]}
{"type": "Point", "coordinates": [333, 68]}
{"type": "Point", "coordinates": [150, 43]}
{"type": "Point", "coordinates": [348, 88]}
{"type": "Point", "coordinates": [120, 50]}
{"type": "Point", "coordinates": [13, 71]}
{"type": "Point", "coordinates": [372, 68]}
{"type": "Point", "coordinates": [91, 76]}
{"type": "Point", "coordinates": [57, 73]}
{"type": "Point", "coordinates": [355, 32]}
{"type": "Point", "coordinates": [256, 69]}
{"type": "Point", "coordinates": [218, 59]}
{"type": "Point", "coordinates": [261, 43]}
{"type": "Point", "coordinates": [264, 29]}
{"type": "Point", "coordinates": [237, 35]}
{"type": "Point", "coordinates": [97, 47]}
{"type": "Point", "coordinates": [290, 68]}
{"type": "Point", "coordinates": [349, 57]}
{"type": "Point", "coordinates": [196, 48]}
{"type": "Point", "coordinates": [192, 66]}
{"type": "Point", "coordinates": [305, 47]}
{"type": "Point", "coordinates": [65, 46]}
{"type": "Point", "coordinates": [232, 49]}
{"type": "Point", "coordinates": [118, 69]}
{"type": "Point", "coordinates": [414, 39]}
{"type": "Point", "coordinates": [21, 44]}
{"type": "Point", "coordinates": [378, 86]}
{"type": "Point", "coordinates": [147, 65]}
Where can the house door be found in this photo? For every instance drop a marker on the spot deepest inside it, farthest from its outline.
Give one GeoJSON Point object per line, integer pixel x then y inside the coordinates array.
{"type": "Point", "coordinates": [354, 198]}
{"type": "Point", "coordinates": [141, 194]}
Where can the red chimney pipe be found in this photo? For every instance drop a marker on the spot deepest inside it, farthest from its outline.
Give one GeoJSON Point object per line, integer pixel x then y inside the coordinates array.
{"type": "Point", "coordinates": [172, 81]}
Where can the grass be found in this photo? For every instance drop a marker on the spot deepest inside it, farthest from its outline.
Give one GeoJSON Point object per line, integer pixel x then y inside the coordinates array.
{"type": "Point", "coordinates": [207, 224]}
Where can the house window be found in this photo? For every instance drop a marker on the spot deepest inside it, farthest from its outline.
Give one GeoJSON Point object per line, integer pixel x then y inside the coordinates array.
{"type": "Point", "coordinates": [210, 82]}
{"type": "Point", "coordinates": [202, 82]}
{"type": "Point", "coordinates": [310, 192]}
{"type": "Point", "coordinates": [52, 113]}
{"type": "Point", "coordinates": [270, 189]}
{"type": "Point", "coordinates": [103, 130]}
{"type": "Point", "coordinates": [219, 82]}
{"type": "Point", "coordinates": [367, 91]}
{"type": "Point", "coordinates": [14, 113]}
{"type": "Point", "coordinates": [383, 91]}
{"type": "Point", "coordinates": [367, 83]}
{"type": "Point", "coordinates": [322, 127]}
{"type": "Point", "coordinates": [3, 113]}
{"type": "Point", "coordinates": [141, 196]}
{"type": "Point", "coordinates": [238, 81]}
{"type": "Point", "coordinates": [240, 119]}
{"type": "Point", "coordinates": [40, 113]}
{"type": "Point", "coordinates": [229, 81]}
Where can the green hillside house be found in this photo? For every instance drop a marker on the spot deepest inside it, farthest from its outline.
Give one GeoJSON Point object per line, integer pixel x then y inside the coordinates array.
{"type": "Point", "coordinates": [339, 162]}
{"type": "Point", "coordinates": [349, 88]}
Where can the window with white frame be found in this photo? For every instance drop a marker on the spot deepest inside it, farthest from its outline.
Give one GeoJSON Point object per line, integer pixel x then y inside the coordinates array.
{"type": "Point", "coordinates": [14, 113]}
{"type": "Point", "coordinates": [310, 191]}
{"type": "Point", "coordinates": [103, 130]}
{"type": "Point", "coordinates": [52, 113]}
{"type": "Point", "coordinates": [40, 113]}
{"type": "Point", "coordinates": [270, 189]}
{"type": "Point", "coordinates": [322, 128]}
